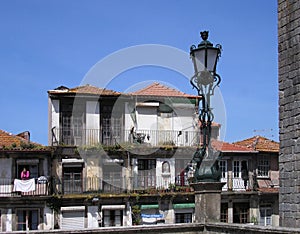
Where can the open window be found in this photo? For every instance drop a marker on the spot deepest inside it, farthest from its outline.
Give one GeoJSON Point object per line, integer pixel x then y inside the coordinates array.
{"type": "Point", "coordinates": [31, 165]}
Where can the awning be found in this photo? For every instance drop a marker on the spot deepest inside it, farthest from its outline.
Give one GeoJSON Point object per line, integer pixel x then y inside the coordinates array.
{"type": "Point", "coordinates": [183, 205]}
{"type": "Point", "coordinates": [150, 206]}
{"type": "Point", "coordinates": [113, 207]}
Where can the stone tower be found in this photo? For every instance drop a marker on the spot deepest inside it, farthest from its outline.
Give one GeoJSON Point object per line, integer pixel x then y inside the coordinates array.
{"type": "Point", "coordinates": [289, 111]}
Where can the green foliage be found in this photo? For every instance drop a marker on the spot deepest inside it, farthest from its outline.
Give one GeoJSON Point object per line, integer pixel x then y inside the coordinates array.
{"type": "Point", "coordinates": [54, 203]}
{"type": "Point", "coordinates": [136, 215]}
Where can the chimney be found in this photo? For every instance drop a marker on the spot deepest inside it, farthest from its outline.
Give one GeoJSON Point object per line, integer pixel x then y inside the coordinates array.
{"type": "Point", "coordinates": [25, 135]}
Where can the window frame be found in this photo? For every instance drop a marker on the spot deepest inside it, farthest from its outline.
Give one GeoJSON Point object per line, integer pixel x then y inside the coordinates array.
{"type": "Point", "coordinates": [263, 167]}
{"type": "Point", "coordinates": [223, 169]}
{"type": "Point", "coordinates": [265, 220]}
{"type": "Point", "coordinates": [27, 218]}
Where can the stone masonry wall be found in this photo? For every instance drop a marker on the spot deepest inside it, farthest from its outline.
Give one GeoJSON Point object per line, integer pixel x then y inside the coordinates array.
{"type": "Point", "coordinates": [289, 111]}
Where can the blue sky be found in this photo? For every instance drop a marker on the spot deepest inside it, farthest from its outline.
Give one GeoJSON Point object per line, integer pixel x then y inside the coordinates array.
{"type": "Point", "coordinates": [45, 44]}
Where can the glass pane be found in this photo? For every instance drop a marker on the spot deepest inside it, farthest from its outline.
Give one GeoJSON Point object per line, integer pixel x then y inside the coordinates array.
{"type": "Point", "coordinates": [211, 59]}
{"type": "Point", "coordinates": [21, 220]}
{"type": "Point", "coordinates": [33, 220]}
{"type": "Point", "coordinates": [199, 60]}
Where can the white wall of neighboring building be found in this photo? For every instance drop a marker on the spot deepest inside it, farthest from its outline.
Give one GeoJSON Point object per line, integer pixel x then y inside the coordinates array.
{"type": "Point", "coordinates": [163, 177]}
{"type": "Point", "coordinates": [53, 106]}
{"type": "Point", "coordinates": [147, 118]}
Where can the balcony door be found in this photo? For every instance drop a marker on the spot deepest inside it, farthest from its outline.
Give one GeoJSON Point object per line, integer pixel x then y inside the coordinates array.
{"type": "Point", "coordinates": [72, 122]}
{"type": "Point", "coordinates": [224, 173]}
{"type": "Point", "coordinates": [72, 130]}
{"type": "Point", "coordinates": [240, 170]}
{"type": "Point", "coordinates": [111, 130]}
{"type": "Point", "coordinates": [72, 179]}
{"type": "Point", "coordinates": [146, 173]}
{"type": "Point", "coordinates": [27, 219]}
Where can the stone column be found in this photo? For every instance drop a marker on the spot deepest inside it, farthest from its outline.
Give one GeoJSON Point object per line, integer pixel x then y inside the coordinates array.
{"type": "Point", "coordinates": [207, 201]}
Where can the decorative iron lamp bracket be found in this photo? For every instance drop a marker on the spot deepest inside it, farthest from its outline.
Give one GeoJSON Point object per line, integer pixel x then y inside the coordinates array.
{"type": "Point", "coordinates": [205, 80]}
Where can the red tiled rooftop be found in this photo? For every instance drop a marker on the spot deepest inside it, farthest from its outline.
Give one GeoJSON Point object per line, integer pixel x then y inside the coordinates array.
{"type": "Point", "coordinates": [16, 142]}
{"type": "Point", "coordinates": [229, 147]}
{"type": "Point", "coordinates": [157, 89]}
{"type": "Point", "coordinates": [86, 89]}
{"type": "Point", "coordinates": [7, 139]}
{"type": "Point", "coordinates": [260, 143]}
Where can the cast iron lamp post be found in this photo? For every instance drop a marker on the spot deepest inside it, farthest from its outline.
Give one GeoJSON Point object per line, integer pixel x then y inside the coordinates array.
{"type": "Point", "coordinates": [205, 80]}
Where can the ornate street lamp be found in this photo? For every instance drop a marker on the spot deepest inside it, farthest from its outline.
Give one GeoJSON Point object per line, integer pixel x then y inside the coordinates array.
{"type": "Point", "coordinates": [205, 80]}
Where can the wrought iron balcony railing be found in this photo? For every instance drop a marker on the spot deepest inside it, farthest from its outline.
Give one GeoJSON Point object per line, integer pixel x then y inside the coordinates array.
{"type": "Point", "coordinates": [41, 188]}
{"type": "Point", "coordinates": [139, 183]}
{"type": "Point", "coordinates": [99, 136]}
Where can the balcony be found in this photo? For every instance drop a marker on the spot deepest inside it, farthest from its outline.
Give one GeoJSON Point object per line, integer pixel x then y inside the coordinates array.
{"type": "Point", "coordinates": [238, 184]}
{"type": "Point", "coordinates": [149, 137]}
{"type": "Point", "coordinates": [7, 189]}
{"type": "Point", "coordinates": [140, 184]}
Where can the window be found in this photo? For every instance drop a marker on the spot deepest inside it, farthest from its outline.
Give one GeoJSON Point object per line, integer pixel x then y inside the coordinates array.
{"type": "Point", "coordinates": [236, 169]}
{"type": "Point", "coordinates": [224, 213]}
{"type": "Point", "coordinates": [72, 119]}
{"type": "Point", "coordinates": [112, 218]}
{"type": "Point", "coordinates": [146, 173]}
{"type": "Point", "coordinates": [112, 178]}
{"type": "Point", "coordinates": [223, 168]}
{"type": "Point", "coordinates": [27, 220]}
{"type": "Point", "coordinates": [146, 164]}
{"type": "Point", "coordinates": [181, 171]}
{"type": "Point", "coordinates": [240, 168]}
{"type": "Point", "coordinates": [263, 168]}
{"type": "Point", "coordinates": [241, 212]}
{"type": "Point", "coordinates": [106, 128]}
{"type": "Point", "coordinates": [265, 216]}
{"type": "Point", "coordinates": [111, 130]}
{"type": "Point", "coordinates": [72, 180]}
{"type": "Point", "coordinates": [183, 218]}
{"type": "Point", "coordinates": [72, 127]}
{"type": "Point", "coordinates": [31, 165]}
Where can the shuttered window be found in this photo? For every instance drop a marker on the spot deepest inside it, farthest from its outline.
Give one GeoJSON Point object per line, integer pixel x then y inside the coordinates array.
{"type": "Point", "coordinates": [72, 218]}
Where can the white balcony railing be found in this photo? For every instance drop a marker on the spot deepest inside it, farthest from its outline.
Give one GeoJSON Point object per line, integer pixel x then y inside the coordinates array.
{"type": "Point", "coordinates": [149, 137]}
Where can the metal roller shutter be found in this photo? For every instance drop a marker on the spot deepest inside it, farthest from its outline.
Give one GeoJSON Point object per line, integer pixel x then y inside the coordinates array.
{"type": "Point", "coordinates": [72, 219]}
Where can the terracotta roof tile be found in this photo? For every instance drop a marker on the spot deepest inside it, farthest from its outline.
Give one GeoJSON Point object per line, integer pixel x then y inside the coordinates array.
{"type": "Point", "coordinates": [260, 143]}
{"type": "Point", "coordinates": [8, 139]}
{"type": "Point", "coordinates": [157, 89]}
{"type": "Point", "coordinates": [86, 89]}
{"type": "Point", "coordinates": [11, 141]}
{"type": "Point", "coordinates": [230, 147]}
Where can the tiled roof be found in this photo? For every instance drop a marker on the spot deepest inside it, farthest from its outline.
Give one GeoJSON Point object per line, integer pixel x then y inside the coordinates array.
{"type": "Point", "coordinates": [86, 89]}
{"type": "Point", "coordinates": [8, 139]}
{"type": "Point", "coordinates": [229, 147]}
{"type": "Point", "coordinates": [260, 143]}
{"type": "Point", "coordinates": [157, 89]}
{"type": "Point", "coordinates": [16, 142]}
